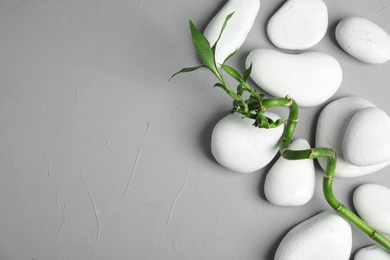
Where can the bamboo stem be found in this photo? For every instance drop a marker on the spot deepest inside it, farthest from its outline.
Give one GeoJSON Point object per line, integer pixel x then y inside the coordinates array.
{"type": "Point", "coordinates": [329, 172]}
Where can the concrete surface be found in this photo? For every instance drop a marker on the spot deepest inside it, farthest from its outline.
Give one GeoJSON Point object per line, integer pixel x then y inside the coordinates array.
{"type": "Point", "coordinates": [102, 157]}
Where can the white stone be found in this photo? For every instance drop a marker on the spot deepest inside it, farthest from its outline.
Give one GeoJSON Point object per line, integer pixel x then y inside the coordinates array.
{"type": "Point", "coordinates": [332, 124]}
{"type": "Point", "coordinates": [291, 182]}
{"type": "Point", "coordinates": [372, 253]}
{"type": "Point", "coordinates": [237, 29]}
{"type": "Point", "coordinates": [310, 78]}
{"type": "Point", "coordinates": [367, 138]}
{"type": "Point", "coordinates": [298, 24]}
{"type": "Point", "coordinates": [372, 203]}
{"type": "Point", "coordinates": [322, 237]}
{"type": "Point", "coordinates": [239, 146]}
{"type": "Point", "coordinates": [364, 40]}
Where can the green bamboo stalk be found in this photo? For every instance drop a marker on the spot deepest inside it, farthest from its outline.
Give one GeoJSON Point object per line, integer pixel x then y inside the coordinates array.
{"type": "Point", "coordinates": [328, 178]}
{"type": "Point", "coordinates": [254, 108]}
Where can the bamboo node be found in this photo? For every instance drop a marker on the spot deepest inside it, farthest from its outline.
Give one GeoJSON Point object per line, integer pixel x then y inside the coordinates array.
{"type": "Point", "coordinates": [262, 108]}
{"type": "Point", "coordinates": [293, 120]}
{"type": "Point", "coordinates": [289, 103]}
{"type": "Point", "coordinates": [327, 177]}
{"type": "Point", "coordinates": [311, 156]}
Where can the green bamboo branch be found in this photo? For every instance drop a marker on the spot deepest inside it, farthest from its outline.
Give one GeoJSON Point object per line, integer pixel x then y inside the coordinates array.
{"type": "Point", "coordinates": [328, 178]}
{"type": "Point", "coordinates": [255, 106]}
{"type": "Point", "coordinates": [343, 210]}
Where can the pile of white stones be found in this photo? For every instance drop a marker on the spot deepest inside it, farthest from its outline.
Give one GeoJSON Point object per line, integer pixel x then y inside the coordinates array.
{"type": "Point", "coordinates": [360, 132]}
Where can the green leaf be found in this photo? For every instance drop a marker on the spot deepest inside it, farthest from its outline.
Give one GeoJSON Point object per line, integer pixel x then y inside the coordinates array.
{"type": "Point", "coordinates": [278, 122]}
{"type": "Point", "coordinates": [203, 48]}
{"type": "Point", "coordinates": [187, 70]}
{"type": "Point", "coordinates": [247, 72]}
{"type": "Point", "coordinates": [219, 85]}
{"type": "Point", "coordinates": [222, 29]}
{"type": "Point", "coordinates": [240, 90]}
{"type": "Point", "coordinates": [230, 55]}
{"type": "Point", "coordinates": [257, 96]}
{"type": "Point", "coordinates": [232, 72]}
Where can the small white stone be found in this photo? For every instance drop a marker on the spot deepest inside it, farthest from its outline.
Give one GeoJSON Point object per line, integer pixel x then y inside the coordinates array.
{"type": "Point", "coordinates": [239, 146]}
{"type": "Point", "coordinates": [364, 40]}
{"type": "Point", "coordinates": [372, 202]}
{"type": "Point", "coordinates": [372, 253]}
{"type": "Point", "coordinates": [298, 24]}
{"type": "Point", "coordinates": [237, 29]}
{"type": "Point", "coordinates": [332, 124]}
{"type": "Point", "coordinates": [291, 182]}
{"type": "Point", "coordinates": [326, 236]}
{"type": "Point", "coordinates": [310, 78]}
{"type": "Point", "coordinates": [367, 138]}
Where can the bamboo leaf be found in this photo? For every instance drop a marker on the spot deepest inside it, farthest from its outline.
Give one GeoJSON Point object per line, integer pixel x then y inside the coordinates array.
{"type": "Point", "coordinates": [222, 29]}
{"type": "Point", "coordinates": [240, 90]}
{"type": "Point", "coordinates": [232, 72]}
{"type": "Point", "coordinates": [230, 55]}
{"type": "Point", "coordinates": [203, 48]}
{"type": "Point", "coordinates": [278, 122]}
{"type": "Point", "coordinates": [247, 72]}
{"type": "Point", "coordinates": [189, 69]}
{"type": "Point", "coordinates": [219, 85]}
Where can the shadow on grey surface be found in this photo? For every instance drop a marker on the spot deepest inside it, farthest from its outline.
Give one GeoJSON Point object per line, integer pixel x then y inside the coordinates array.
{"type": "Point", "coordinates": [271, 252]}
{"type": "Point", "coordinates": [332, 35]}
{"type": "Point", "coordinates": [212, 15]}
{"type": "Point", "coordinates": [264, 172]}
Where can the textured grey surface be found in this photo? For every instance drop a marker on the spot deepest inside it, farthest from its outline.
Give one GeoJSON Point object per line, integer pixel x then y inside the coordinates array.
{"type": "Point", "coordinates": [102, 158]}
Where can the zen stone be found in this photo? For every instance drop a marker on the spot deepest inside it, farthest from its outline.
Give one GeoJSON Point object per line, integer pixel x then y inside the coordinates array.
{"type": "Point", "coordinates": [237, 29]}
{"type": "Point", "coordinates": [332, 124]}
{"type": "Point", "coordinates": [310, 78]}
{"type": "Point", "coordinates": [239, 146]}
{"type": "Point", "coordinates": [372, 203]}
{"type": "Point", "coordinates": [322, 237]}
{"type": "Point", "coordinates": [291, 182]}
{"type": "Point", "coordinates": [364, 40]}
{"type": "Point", "coordinates": [372, 253]}
{"type": "Point", "coordinates": [367, 138]}
{"type": "Point", "coordinates": [298, 24]}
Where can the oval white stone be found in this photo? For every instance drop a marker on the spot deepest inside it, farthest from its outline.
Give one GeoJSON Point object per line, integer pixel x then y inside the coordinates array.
{"type": "Point", "coordinates": [239, 146]}
{"type": "Point", "coordinates": [237, 29]}
{"type": "Point", "coordinates": [363, 40]}
{"type": "Point", "coordinates": [310, 78]}
{"type": "Point", "coordinates": [372, 202]}
{"type": "Point", "coordinates": [298, 24]}
{"type": "Point", "coordinates": [322, 237]}
{"type": "Point", "coordinates": [372, 253]}
{"type": "Point", "coordinates": [332, 124]}
{"type": "Point", "coordinates": [367, 138]}
{"type": "Point", "coordinates": [291, 182]}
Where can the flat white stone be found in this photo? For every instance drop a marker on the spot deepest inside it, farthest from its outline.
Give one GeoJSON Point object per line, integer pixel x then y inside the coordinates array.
{"type": "Point", "coordinates": [298, 24]}
{"type": "Point", "coordinates": [237, 29]}
{"type": "Point", "coordinates": [239, 146]}
{"type": "Point", "coordinates": [310, 78]}
{"type": "Point", "coordinates": [322, 237]}
{"type": "Point", "coordinates": [367, 138]}
{"type": "Point", "coordinates": [332, 124]}
{"type": "Point", "coordinates": [364, 40]}
{"type": "Point", "coordinates": [372, 253]}
{"type": "Point", "coordinates": [372, 202]}
{"type": "Point", "coordinates": [291, 182]}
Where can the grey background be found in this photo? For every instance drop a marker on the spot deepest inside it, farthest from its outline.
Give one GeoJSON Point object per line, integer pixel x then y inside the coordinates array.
{"type": "Point", "coordinates": [102, 158]}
